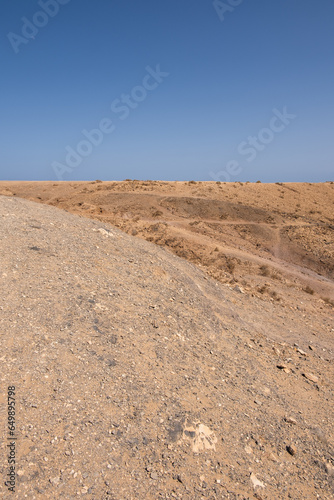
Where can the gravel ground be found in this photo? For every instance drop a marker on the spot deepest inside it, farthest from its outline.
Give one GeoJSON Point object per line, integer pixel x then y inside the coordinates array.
{"type": "Point", "coordinates": [138, 377]}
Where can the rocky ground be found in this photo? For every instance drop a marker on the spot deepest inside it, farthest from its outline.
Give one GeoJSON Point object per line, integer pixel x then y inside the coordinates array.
{"type": "Point", "coordinates": [138, 375]}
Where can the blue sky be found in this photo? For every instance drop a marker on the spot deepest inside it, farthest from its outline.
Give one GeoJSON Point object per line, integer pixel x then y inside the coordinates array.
{"type": "Point", "coordinates": [174, 90]}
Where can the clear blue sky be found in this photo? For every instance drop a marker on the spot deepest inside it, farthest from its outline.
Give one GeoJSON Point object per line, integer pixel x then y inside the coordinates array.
{"type": "Point", "coordinates": [181, 89]}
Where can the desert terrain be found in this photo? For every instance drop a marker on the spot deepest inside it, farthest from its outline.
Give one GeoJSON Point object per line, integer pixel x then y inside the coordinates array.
{"type": "Point", "coordinates": [268, 238]}
{"type": "Point", "coordinates": [195, 364]}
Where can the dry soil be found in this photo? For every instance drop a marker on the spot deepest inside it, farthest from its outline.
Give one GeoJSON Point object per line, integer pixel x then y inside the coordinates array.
{"type": "Point", "coordinates": [139, 375]}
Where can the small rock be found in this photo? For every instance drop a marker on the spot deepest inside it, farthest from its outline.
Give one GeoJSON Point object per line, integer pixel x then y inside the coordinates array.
{"type": "Point", "coordinates": [273, 457]}
{"type": "Point", "coordinates": [290, 420]}
{"type": "Point", "coordinates": [248, 449]}
{"type": "Point", "coordinates": [154, 475]}
{"type": "Point", "coordinates": [300, 351]}
{"type": "Point", "coordinates": [329, 468]}
{"type": "Point", "coordinates": [104, 232]}
{"type": "Point", "coordinates": [311, 377]}
{"type": "Point", "coordinates": [291, 449]}
{"type": "Point", "coordinates": [55, 481]}
{"type": "Point", "coordinates": [282, 366]}
{"type": "Point", "coordinates": [255, 481]}
{"type": "Point", "coordinates": [111, 362]}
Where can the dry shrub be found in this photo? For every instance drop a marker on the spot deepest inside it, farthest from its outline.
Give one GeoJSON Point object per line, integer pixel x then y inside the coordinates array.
{"type": "Point", "coordinates": [275, 296]}
{"type": "Point", "coordinates": [264, 270]}
{"type": "Point", "coordinates": [230, 264]}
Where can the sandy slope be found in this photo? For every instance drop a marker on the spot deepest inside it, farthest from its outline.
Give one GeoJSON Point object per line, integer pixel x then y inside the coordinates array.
{"type": "Point", "coordinates": [138, 376]}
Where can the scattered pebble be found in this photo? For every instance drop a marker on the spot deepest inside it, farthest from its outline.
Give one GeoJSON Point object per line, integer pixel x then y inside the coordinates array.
{"type": "Point", "coordinates": [291, 449]}
{"type": "Point", "coordinates": [311, 377]}
{"type": "Point", "coordinates": [329, 468]}
{"type": "Point", "coordinates": [290, 420]}
{"type": "Point", "coordinates": [55, 481]}
{"type": "Point", "coordinates": [283, 367]}
{"type": "Point", "coordinates": [255, 481]}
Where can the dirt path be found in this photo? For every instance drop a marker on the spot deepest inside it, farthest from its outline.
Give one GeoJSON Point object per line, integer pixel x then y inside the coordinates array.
{"type": "Point", "coordinates": [320, 283]}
